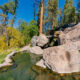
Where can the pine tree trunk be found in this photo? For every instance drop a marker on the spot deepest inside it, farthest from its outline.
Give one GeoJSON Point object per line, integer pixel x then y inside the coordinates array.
{"type": "Point", "coordinates": [41, 17]}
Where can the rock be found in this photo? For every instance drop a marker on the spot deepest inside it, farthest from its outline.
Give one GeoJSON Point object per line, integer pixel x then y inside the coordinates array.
{"type": "Point", "coordinates": [26, 48]}
{"type": "Point", "coordinates": [5, 64]}
{"type": "Point", "coordinates": [42, 40]}
{"type": "Point", "coordinates": [70, 34]}
{"type": "Point", "coordinates": [34, 41]}
{"type": "Point", "coordinates": [64, 58]}
{"type": "Point", "coordinates": [8, 61]}
{"type": "Point", "coordinates": [41, 63]}
{"type": "Point", "coordinates": [36, 50]}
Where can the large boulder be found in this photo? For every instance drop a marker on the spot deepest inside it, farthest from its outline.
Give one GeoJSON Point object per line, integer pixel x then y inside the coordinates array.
{"type": "Point", "coordinates": [25, 48]}
{"type": "Point", "coordinates": [41, 63]}
{"type": "Point", "coordinates": [42, 40]}
{"type": "Point", "coordinates": [64, 58]}
{"type": "Point", "coordinates": [35, 50]}
{"type": "Point", "coordinates": [70, 34]}
{"type": "Point", "coordinates": [34, 41]}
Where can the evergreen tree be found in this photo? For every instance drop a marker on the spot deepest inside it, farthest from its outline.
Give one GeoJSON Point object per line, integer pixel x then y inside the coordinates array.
{"type": "Point", "coordinates": [78, 10]}
{"type": "Point", "coordinates": [52, 12]}
{"type": "Point", "coordinates": [13, 5]}
{"type": "Point", "coordinates": [60, 21]}
{"type": "Point", "coordinates": [69, 12]}
{"type": "Point", "coordinates": [38, 15]}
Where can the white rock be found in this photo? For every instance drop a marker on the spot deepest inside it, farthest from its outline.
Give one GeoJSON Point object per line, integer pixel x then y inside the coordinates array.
{"type": "Point", "coordinates": [41, 63]}
{"type": "Point", "coordinates": [36, 50]}
{"type": "Point", "coordinates": [42, 40]}
{"type": "Point", "coordinates": [64, 58]}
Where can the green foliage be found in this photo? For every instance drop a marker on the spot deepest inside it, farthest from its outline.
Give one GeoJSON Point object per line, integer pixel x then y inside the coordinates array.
{"type": "Point", "coordinates": [78, 11]}
{"type": "Point", "coordinates": [38, 15]}
{"type": "Point", "coordinates": [3, 43]}
{"type": "Point", "coordinates": [69, 12]}
{"type": "Point", "coordinates": [28, 30]}
{"type": "Point", "coordinates": [54, 28]}
{"type": "Point", "coordinates": [15, 39]}
{"type": "Point", "coordinates": [52, 12]}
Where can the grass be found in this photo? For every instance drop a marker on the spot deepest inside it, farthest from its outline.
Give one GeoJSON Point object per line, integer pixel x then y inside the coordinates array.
{"type": "Point", "coordinates": [4, 53]}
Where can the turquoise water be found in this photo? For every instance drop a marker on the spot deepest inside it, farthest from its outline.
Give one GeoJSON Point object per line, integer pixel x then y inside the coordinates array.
{"type": "Point", "coordinates": [24, 69]}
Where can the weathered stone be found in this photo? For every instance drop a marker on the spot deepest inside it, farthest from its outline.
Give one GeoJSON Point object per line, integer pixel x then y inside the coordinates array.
{"type": "Point", "coordinates": [41, 63]}
{"type": "Point", "coordinates": [26, 48]}
{"type": "Point", "coordinates": [36, 50]}
{"type": "Point", "coordinates": [70, 34]}
{"type": "Point", "coordinates": [5, 64]}
{"type": "Point", "coordinates": [42, 40]}
{"type": "Point", "coordinates": [8, 61]}
{"type": "Point", "coordinates": [34, 41]}
{"type": "Point", "coordinates": [64, 58]}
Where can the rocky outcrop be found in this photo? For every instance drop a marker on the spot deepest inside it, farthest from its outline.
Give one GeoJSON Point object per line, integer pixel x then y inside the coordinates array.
{"type": "Point", "coordinates": [70, 34]}
{"type": "Point", "coordinates": [42, 40]}
{"type": "Point", "coordinates": [26, 48]}
{"type": "Point", "coordinates": [34, 41]}
{"type": "Point", "coordinates": [35, 50]}
{"type": "Point", "coordinates": [41, 63]}
{"type": "Point", "coordinates": [8, 60]}
{"type": "Point", "coordinates": [64, 58]}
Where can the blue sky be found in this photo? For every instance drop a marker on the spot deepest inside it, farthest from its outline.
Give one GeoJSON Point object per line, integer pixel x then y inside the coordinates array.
{"type": "Point", "coordinates": [25, 9]}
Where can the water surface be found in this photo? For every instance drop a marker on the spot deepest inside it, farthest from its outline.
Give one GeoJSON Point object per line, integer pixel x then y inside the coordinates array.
{"type": "Point", "coordinates": [24, 69]}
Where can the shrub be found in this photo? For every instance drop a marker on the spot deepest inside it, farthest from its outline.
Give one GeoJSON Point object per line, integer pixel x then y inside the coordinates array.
{"type": "Point", "coordinates": [28, 30]}
{"type": "Point", "coordinates": [15, 39]}
{"type": "Point", "coordinates": [2, 43]}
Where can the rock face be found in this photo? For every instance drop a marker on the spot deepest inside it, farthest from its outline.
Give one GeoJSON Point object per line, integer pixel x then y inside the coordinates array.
{"type": "Point", "coordinates": [41, 63]}
{"type": "Point", "coordinates": [36, 50]}
{"type": "Point", "coordinates": [26, 48]}
{"type": "Point", "coordinates": [34, 41]}
{"type": "Point", "coordinates": [8, 60]}
{"type": "Point", "coordinates": [42, 40]}
{"type": "Point", "coordinates": [70, 34]}
{"type": "Point", "coordinates": [64, 58]}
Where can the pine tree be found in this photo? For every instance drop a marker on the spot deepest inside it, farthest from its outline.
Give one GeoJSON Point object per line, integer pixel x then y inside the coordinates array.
{"type": "Point", "coordinates": [38, 15]}
{"type": "Point", "coordinates": [69, 12]}
{"type": "Point", "coordinates": [14, 9]}
{"type": "Point", "coordinates": [52, 12]}
{"type": "Point", "coordinates": [78, 10]}
{"type": "Point", "coordinates": [60, 21]}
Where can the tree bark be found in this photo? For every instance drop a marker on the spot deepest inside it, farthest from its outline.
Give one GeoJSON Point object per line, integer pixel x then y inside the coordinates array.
{"type": "Point", "coordinates": [41, 17]}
